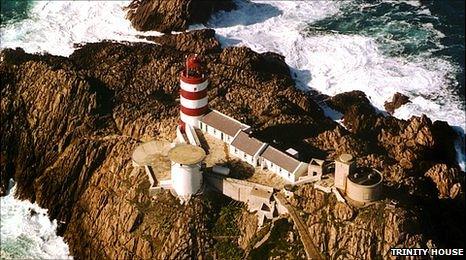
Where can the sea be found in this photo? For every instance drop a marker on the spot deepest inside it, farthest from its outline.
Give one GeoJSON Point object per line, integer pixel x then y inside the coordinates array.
{"type": "Point", "coordinates": [379, 47]}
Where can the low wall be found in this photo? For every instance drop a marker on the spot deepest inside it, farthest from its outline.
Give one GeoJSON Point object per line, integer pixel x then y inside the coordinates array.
{"type": "Point", "coordinates": [236, 191]}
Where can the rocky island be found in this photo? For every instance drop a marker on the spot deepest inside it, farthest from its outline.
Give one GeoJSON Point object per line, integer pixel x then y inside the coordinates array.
{"type": "Point", "coordinates": [68, 126]}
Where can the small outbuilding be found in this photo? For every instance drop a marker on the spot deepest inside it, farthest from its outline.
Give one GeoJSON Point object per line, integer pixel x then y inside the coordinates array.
{"type": "Point", "coordinates": [315, 169]}
{"type": "Point", "coordinates": [261, 201]}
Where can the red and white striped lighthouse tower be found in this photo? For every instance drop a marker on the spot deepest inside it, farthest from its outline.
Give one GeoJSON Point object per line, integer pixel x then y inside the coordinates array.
{"type": "Point", "coordinates": [193, 93]}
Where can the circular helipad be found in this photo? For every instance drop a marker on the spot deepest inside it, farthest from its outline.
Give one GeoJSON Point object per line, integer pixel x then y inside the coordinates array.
{"type": "Point", "coordinates": [186, 154]}
{"type": "Point", "coordinates": [150, 153]}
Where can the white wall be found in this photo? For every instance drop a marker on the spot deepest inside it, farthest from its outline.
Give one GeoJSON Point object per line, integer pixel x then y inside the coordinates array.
{"type": "Point", "coordinates": [341, 174]}
{"type": "Point", "coordinates": [186, 179]}
{"type": "Point", "coordinates": [363, 193]}
{"type": "Point", "coordinates": [215, 133]}
{"type": "Point", "coordinates": [243, 156]}
{"type": "Point", "coordinates": [278, 170]}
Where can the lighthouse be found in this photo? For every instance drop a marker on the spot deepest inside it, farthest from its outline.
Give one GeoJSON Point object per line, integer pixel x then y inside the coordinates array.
{"type": "Point", "coordinates": [193, 93]}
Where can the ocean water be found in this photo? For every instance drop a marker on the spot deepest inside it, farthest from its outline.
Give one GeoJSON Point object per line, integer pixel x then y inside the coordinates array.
{"type": "Point", "coordinates": [26, 232]}
{"type": "Point", "coordinates": [331, 46]}
{"type": "Point", "coordinates": [377, 47]}
{"type": "Point", "coordinates": [56, 27]}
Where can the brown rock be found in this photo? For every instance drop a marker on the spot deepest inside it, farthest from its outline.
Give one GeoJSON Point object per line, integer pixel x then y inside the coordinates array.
{"type": "Point", "coordinates": [398, 100]}
{"type": "Point", "coordinates": [174, 15]}
{"type": "Point", "coordinates": [248, 228]}
{"type": "Point", "coordinates": [449, 181]}
{"type": "Point", "coordinates": [343, 212]}
{"type": "Point", "coordinates": [199, 41]}
{"type": "Point", "coordinates": [68, 126]}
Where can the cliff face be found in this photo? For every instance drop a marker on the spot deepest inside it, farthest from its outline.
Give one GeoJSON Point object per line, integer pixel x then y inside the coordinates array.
{"type": "Point", "coordinates": [69, 125]}
{"type": "Point", "coordinates": [173, 15]}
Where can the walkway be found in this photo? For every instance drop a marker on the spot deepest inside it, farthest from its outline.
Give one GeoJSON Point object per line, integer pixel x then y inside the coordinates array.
{"type": "Point", "coordinates": [311, 250]}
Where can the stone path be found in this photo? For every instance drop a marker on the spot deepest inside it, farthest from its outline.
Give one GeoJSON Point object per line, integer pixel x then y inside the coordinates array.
{"type": "Point", "coordinates": [311, 250]}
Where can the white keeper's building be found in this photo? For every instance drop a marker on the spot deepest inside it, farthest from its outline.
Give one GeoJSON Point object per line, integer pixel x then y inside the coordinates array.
{"type": "Point", "coordinates": [221, 126]}
{"type": "Point", "coordinates": [286, 166]}
{"type": "Point", "coordinates": [249, 149]}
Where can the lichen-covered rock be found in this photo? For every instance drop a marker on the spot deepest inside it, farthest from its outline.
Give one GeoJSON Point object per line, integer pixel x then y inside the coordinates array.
{"type": "Point", "coordinates": [347, 232]}
{"type": "Point", "coordinates": [69, 126]}
{"type": "Point", "coordinates": [248, 227]}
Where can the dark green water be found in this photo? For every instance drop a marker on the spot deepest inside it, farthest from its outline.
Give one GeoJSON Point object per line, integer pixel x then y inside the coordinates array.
{"type": "Point", "coordinates": [434, 29]}
{"type": "Point", "coordinates": [14, 10]}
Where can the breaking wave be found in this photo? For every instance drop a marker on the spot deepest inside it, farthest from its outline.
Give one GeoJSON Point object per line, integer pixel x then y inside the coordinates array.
{"type": "Point", "coordinates": [331, 46]}
{"type": "Point", "coordinates": [56, 27]}
{"type": "Point", "coordinates": [378, 48]}
{"type": "Point", "coordinates": [26, 232]}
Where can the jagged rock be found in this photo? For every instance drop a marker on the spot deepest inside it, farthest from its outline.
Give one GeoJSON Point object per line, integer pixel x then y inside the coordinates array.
{"type": "Point", "coordinates": [199, 41]}
{"type": "Point", "coordinates": [343, 212]}
{"type": "Point", "coordinates": [174, 15]}
{"type": "Point", "coordinates": [449, 181]}
{"type": "Point", "coordinates": [398, 100]}
{"type": "Point", "coordinates": [68, 126]}
{"type": "Point", "coordinates": [248, 228]}
{"type": "Point", "coordinates": [339, 141]}
{"type": "Point", "coordinates": [372, 230]}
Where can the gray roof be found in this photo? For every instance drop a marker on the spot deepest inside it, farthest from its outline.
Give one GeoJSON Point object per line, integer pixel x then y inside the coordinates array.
{"type": "Point", "coordinates": [247, 144]}
{"type": "Point", "coordinates": [222, 123]}
{"type": "Point", "coordinates": [280, 158]}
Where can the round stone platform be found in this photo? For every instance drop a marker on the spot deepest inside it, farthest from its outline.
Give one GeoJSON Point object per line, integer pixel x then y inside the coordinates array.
{"type": "Point", "coordinates": [186, 154]}
{"type": "Point", "coordinates": [150, 153]}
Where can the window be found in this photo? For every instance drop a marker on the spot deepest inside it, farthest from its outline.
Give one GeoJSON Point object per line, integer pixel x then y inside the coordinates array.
{"type": "Point", "coordinates": [314, 173]}
{"type": "Point", "coordinates": [215, 131]}
{"type": "Point", "coordinates": [236, 150]}
{"type": "Point", "coordinates": [195, 89]}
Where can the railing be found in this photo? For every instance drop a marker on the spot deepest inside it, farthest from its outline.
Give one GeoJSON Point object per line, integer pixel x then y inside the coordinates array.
{"type": "Point", "coordinates": [192, 136]}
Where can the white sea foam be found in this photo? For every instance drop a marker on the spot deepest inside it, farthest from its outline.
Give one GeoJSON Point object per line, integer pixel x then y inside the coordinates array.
{"type": "Point", "coordinates": [333, 63]}
{"type": "Point", "coordinates": [27, 233]}
{"type": "Point", "coordinates": [56, 26]}
{"type": "Point", "coordinates": [329, 62]}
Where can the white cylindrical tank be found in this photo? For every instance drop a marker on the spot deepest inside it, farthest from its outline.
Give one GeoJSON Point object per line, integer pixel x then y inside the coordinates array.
{"type": "Point", "coordinates": [186, 179]}
{"type": "Point", "coordinates": [186, 172]}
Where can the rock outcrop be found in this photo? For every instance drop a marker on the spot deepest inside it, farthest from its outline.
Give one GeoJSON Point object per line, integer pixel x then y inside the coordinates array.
{"type": "Point", "coordinates": [376, 228]}
{"type": "Point", "coordinates": [68, 126]}
{"type": "Point", "coordinates": [398, 100]}
{"type": "Point", "coordinates": [174, 15]}
{"type": "Point", "coordinates": [449, 181]}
